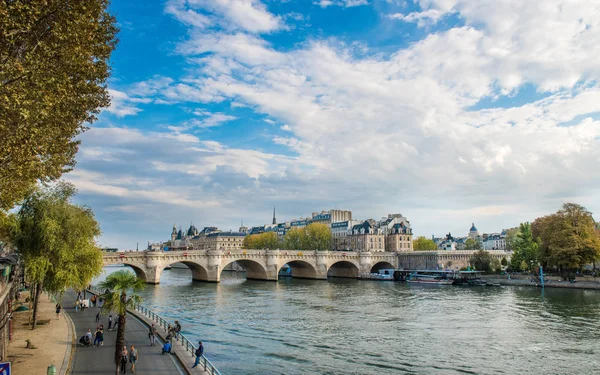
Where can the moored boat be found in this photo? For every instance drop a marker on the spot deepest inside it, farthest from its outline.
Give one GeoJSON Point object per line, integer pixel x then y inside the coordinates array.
{"type": "Point", "coordinates": [431, 277]}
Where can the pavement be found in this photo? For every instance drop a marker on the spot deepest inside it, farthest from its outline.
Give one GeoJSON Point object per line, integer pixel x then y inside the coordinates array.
{"type": "Point", "coordinates": [100, 360]}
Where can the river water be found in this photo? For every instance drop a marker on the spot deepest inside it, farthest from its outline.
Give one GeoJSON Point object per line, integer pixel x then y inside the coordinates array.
{"type": "Point", "coordinates": [344, 326]}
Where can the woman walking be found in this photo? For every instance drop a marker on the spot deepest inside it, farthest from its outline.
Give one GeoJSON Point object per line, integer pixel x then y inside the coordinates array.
{"type": "Point", "coordinates": [124, 356]}
{"type": "Point", "coordinates": [133, 357]}
{"type": "Point", "coordinates": [58, 308]}
{"type": "Point", "coordinates": [152, 335]}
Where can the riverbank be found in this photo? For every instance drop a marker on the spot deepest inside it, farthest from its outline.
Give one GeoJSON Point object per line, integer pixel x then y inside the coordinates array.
{"type": "Point", "coordinates": [549, 281]}
{"type": "Point", "coordinates": [51, 340]}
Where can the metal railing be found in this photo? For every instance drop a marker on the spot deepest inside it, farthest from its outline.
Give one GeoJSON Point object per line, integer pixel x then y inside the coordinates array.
{"type": "Point", "coordinates": [185, 342]}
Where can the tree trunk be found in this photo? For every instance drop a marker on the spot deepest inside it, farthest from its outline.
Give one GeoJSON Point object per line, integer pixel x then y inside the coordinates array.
{"type": "Point", "coordinates": [36, 300]}
{"type": "Point", "coordinates": [120, 341]}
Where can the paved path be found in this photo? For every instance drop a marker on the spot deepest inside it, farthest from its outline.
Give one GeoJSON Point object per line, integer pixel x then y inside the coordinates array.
{"type": "Point", "coordinates": [100, 360]}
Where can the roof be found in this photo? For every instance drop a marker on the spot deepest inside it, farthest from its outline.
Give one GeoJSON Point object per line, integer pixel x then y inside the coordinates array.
{"type": "Point", "coordinates": [473, 228]}
{"type": "Point", "coordinates": [227, 234]}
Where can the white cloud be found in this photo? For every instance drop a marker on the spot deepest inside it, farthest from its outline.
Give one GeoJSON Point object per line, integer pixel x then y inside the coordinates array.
{"type": "Point", "coordinates": [211, 119]}
{"type": "Point", "coordinates": [121, 104]}
{"type": "Point", "coordinates": [344, 3]}
{"type": "Point", "coordinates": [248, 15]}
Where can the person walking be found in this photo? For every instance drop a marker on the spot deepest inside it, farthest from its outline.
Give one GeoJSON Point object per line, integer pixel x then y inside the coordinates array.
{"type": "Point", "coordinates": [133, 357]}
{"type": "Point", "coordinates": [101, 330]}
{"type": "Point", "coordinates": [199, 353]}
{"type": "Point", "coordinates": [97, 337]}
{"type": "Point", "coordinates": [58, 308]}
{"type": "Point", "coordinates": [77, 305]}
{"type": "Point", "coordinates": [152, 335]}
{"type": "Point", "coordinates": [124, 355]}
{"type": "Point", "coordinates": [98, 317]}
{"type": "Point", "coordinates": [110, 321]}
{"type": "Point", "coordinates": [177, 330]}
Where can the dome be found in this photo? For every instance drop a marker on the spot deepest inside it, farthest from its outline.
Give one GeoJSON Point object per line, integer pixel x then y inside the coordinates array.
{"type": "Point", "coordinates": [473, 228]}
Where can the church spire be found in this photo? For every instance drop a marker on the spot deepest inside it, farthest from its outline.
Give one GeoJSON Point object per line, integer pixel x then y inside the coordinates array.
{"type": "Point", "coordinates": [274, 220]}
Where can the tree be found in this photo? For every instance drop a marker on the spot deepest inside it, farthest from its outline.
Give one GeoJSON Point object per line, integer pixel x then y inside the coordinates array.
{"type": "Point", "coordinates": [317, 237]}
{"type": "Point", "coordinates": [481, 260]}
{"type": "Point", "coordinates": [568, 238]}
{"type": "Point", "coordinates": [122, 287]}
{"type": "Point", "coordinates": [57, 241]}
{"type": "Point", "coordinates": [54, 59]}
{"type": "Point", "coordinates": [472, 244]}
{"type": "Point", "coordinates": [511, 235]}
{"type": "Point", "coordinates": [294, 238]}
{"type": "Point", "coordinates": [525, 249]}
{"type": "Point", "coordinates": [423, 243]}
{"type": "Point", "coordinates": [266, 240]}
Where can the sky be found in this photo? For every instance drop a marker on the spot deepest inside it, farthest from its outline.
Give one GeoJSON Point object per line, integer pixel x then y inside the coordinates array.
{"type": "Point", "coordinates": [446, 111]}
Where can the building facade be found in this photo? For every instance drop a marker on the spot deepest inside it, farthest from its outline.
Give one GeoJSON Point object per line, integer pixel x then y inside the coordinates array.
{"type": "Point", "coordinates": [365, 237]}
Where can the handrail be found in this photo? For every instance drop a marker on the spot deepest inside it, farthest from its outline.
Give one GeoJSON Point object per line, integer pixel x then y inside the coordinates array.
{"type": "Point", "coordinates": [185, 342]}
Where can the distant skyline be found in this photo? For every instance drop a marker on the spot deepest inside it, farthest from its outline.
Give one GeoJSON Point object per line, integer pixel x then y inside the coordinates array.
{"type": "Point", "coordinates": [446, 111]}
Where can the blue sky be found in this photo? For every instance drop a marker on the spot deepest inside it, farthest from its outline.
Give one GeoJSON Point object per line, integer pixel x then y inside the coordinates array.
{"type": "Point", "coordinates": [447, 111]}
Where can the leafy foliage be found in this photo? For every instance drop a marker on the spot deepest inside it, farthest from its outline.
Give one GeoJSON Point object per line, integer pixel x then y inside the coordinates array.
{"type": "Point", "coordinates": [481, 261]}
{"type": "Point", "coordinates": [53, 70]}
{"type": "Point", "coordinates": [568, 238]}
{"type": "Point", "coordinates": [472, 244]}
{"type": "Point", "coordinates": [511, 236]}
{"type": "Point", "coordinates": [525, 249]}
{"type": "Point", "coordinates": [57, 240]}
{"type": "Point", "coordinates": [266, 240]}
{"type": "Point", "coordinates": [423, 243]}
{"type": "Point", "coordinates": [123, 288]}
{"type": "Point", "coordinates": [315, 236]}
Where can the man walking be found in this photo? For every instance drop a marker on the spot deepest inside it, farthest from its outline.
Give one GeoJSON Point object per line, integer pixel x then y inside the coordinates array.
{"type": "Point", "coordinates": [110, 322]}
{"type": "Point", "coordinates": [133, 357]}
{"type": "Point", "coordinates": [152, 335]}
{"type": "Point", "coordinates": [199, 353]}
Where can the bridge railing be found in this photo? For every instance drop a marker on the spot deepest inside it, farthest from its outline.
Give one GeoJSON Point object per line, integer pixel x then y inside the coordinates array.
{"type": "Point", "coordinates": [185, 342]}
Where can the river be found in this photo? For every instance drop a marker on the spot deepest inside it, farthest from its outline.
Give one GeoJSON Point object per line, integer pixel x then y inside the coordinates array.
{"type": "Point", "coordinates": [345, 326]}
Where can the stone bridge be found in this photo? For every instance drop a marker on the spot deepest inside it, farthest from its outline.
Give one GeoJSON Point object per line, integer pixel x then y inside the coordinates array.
{"type": "Point", "coordinates": [206, 265]}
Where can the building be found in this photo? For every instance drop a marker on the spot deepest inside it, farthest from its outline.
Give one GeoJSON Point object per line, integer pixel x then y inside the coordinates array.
{"type": "Point", "coordinates": [339, 234]}
{"type": "Point", "coordinates": [225, 241]}
{"type": "Point", "coordinates": [331, 216]}
{"type": "Point", "coordinates": [398, 232]}
{"type": "Point", "coordinates": [366, 237]}
{"type": "Point", "coordinates": [473, 232]}
{"type": "Point", "coordinates": [494, 241]}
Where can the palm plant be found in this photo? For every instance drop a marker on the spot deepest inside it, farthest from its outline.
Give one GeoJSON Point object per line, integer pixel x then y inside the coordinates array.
{"type": "Point", "coordinates": [122, 287]}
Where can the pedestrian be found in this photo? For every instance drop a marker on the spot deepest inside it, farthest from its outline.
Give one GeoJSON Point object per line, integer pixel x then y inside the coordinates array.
{"type": "Point", "coordinates": [133, 357]}
{"type": "Point", "coordinates": [89, 334]}
{"type": "Point", "coordinates": [152, 335]}
{"type": "Point", "coordinates": [101, 335]}
{"type": "Point", "coordinates": [124, 355]}
{"type": "Point", "coordinates": [98, 317]}
{"type": "Point", "coordinates": [77, 305]}
{"type": "Point", "coordinates": [199, 353]}
{"type": "Point", "coordinates": [97, 337]}
{"type": "Point", "coordinates": [177, 330]}
{"type": "Point", "coordinates": [58, 308]}
{"type": "Point", "coordinates": [110, 322]}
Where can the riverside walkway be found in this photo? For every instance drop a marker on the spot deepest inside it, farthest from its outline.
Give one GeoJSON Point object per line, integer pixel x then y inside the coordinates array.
{"type": "Point", "coordinates": [100, 360]}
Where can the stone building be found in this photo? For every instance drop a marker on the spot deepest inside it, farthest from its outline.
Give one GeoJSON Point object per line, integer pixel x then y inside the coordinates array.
{"type": "Point", "coordinates": [398, 233]}
{"type": "Point", "coordinates": [340, 232]}
{"type": "Point", "coordinates": [366, 237]}
{"type": "Point", "coordinates": [473, 232]}
{"type": "Point", "coordinates": [443, 259]}
{"type": "Point", "coordinates": [331, 216]}
{"type": "Point", "coordinates": [225, 241]}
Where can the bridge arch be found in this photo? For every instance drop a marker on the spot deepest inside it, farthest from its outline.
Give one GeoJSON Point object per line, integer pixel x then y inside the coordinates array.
{"type": "Point", "coordinates": [381, 265]}
{"type": "Point", "coordinates": [302, 269]}
{"type": "Point", "coordinates": [254, 270]}
{"type": "Point", "coordinates": [199, 272]}
{"type": "Point", "coordinates": [343, 268]}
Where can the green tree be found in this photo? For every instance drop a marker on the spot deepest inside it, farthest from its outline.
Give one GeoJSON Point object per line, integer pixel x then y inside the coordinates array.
{"type": "Point", "coordinates": [472, 244]}
{"type": "Point", "coordinates": [423, 243]}
{"type": "Point", "coordinates": [525, 248]}
{"type": "Point", "coordinates": [123, 288]}
{"type": "Point", "coordinates": [511, 236]}
{"type": "Point", "coordinates": [54, 63]}
{"type": "Point", "coordinates": [317, 237]}
{"type": "Point", "coordinates": [568, 238]}
{"type": "Point", "coordinates": [57, 241]}
{"type": "Point", "coordinates": [294, 239]}
{"type": "Point", "coordinates": [481, 260]}
{"type": "Point", "coordinates": [266, 240]}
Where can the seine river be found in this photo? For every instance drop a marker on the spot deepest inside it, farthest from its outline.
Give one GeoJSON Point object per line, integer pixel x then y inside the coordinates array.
{"type": "Point", "coordinates": [343, 326]}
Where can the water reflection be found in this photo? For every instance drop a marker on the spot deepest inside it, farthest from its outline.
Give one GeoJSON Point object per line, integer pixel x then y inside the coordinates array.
{"type": "Point", "coordinates": [344, 326]}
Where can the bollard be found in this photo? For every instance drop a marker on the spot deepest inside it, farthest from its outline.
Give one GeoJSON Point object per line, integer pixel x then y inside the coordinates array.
{"type": "Point", "coordinates": [51, 370]}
